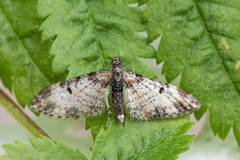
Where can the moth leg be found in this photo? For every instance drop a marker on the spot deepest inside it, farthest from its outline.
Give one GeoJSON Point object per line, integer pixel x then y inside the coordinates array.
{"type": "Point", "coordinates": [106, 96]}
{"type": "Point", "coordinates": [139, 121]}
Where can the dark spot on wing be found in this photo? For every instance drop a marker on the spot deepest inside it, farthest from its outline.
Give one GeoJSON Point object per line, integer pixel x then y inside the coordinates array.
{"type": "Point", "coordinates": [48, 107]}
{"type": "Point", "coordinates": [69, 90]}
{"type": "Point", "coordinates": [78, 78]}
{"type": "Point", "coordinates": [164, 110]}
{"type": "Point", "coordinates": [96, 81]}
{"type": "Point", "coordinates": [77, 116]}
{"type": "Point", "coordinates": [138, 75]}
{"type": "Point", "coordinates": [158, 111]}
{"type": "Point", "coordinates": [165, 113]}
{"type": "Point", "coordinates": [196, 102]}
{"type": "Point", "coordinates": [91, 75]}
{"type": "Point", "coordinates": [103, 71]}
{"type": "Point", "coordinates": [129, 85]}
{"type": "Point", "coordinates": [167, 85]}
{"type": "Point", "coordinates": [161, 90]}
{"type": "Point", "coordinates": [62, 84]}
{"type": "Point", "coordinates": [39, 107]}
{"type": "Point", "coordinates": [35, 101]}
{"type": "Point", "coordinates": [185, 108]}
{"type": "Point", "coordinates": [104, 84]}
{"type": "Point", "coordinates": [45, 91]}
{"type": "Point", "coordinates": [179, 107]}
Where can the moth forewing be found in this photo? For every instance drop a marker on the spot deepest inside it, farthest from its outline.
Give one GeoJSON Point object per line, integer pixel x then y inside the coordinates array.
{"type": "Point", "coordinates": [74, 98]}
{"type": "Point", "coordinates": [149, 99]}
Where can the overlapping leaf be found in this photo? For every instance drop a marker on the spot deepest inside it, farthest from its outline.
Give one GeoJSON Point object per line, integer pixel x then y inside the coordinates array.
{"type": "Point", "coordinates": [148, 140]}
{"type": "Point", "coordinates": [90, 33]}
{"type": "Point", "coordinates": [201, 39]}
{"type": "Point", "coordinates": [42, 149]}
{"type": "Point", "coordinates": [24, 61]}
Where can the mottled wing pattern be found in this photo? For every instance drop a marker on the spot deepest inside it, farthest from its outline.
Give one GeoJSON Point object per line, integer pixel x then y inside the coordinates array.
{"type": "Point", "coordinates": [74, 98]}
{"type": "Point", "coordinates": [149, 99]}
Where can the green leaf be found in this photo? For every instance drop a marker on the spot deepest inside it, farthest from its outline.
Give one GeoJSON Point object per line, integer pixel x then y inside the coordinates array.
{"type": "Point", "coordinates": [130, 1]}
{"type": "Point", "coordinates": [42, 149]}
{"type": "Point", "coordinates": [149, 140]}
{"type": "Point", "coordinates": [200, 39]}
{"type": "Point", "coordinates": [141, 2]}
{"type": "Point", "coordinates": [88, 34]}
{"type": "Point", "coordinates": [97, 122]}
{"type": "Point", "coordinates": [24, 63]}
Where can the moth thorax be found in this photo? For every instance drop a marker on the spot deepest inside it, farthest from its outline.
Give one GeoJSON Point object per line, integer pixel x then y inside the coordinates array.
{"type": "Point", "coordinates": [117, 74]}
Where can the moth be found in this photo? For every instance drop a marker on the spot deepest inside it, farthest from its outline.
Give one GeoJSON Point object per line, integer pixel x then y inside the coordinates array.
{"type": "Point", "coordinates": [86, 95]}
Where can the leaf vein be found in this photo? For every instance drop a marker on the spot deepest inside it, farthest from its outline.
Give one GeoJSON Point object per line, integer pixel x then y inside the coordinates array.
{"type": "Point", "coordinates": [215, 50]}
{"type": "Point", "coordinates": [22, 44]}
{"type": "Point", "coordinates": [148, 148]}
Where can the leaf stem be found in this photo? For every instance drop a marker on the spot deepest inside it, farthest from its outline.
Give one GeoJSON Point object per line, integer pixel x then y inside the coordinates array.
{"type": "Point", "coordinates": [16, 111]}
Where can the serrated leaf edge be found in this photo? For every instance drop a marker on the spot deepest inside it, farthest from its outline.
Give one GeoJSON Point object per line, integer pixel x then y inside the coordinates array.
{"type": "Point", "coordinates": [169, 134]}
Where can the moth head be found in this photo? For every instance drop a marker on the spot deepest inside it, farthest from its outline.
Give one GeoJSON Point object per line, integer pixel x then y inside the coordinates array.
{"type": "Point", "coordinates": [116, 62]}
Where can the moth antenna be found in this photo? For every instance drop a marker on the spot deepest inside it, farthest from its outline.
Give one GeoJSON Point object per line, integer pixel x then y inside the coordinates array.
{"type": "Point", "coordinates": [121, 61]}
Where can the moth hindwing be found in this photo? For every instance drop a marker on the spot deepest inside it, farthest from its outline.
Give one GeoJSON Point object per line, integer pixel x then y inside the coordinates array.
{"type": "Point", "coordinates": [86, 95]}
